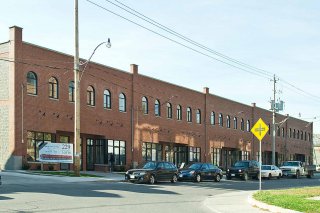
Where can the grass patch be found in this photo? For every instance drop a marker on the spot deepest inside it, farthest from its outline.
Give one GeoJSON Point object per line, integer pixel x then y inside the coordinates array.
{"type": "Point", "coordinates": [294, 199]}
{"type": "Point", "coordinates": [63, 173]}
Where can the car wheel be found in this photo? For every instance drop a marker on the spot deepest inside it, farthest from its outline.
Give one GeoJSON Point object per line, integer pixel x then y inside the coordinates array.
{"type": "Point", "coordinates": [174, 178]}
{"type": "Point", "coordinates": [198, 178]}
{"type": "Point", "coordinates": [297, 174]}
{"type": "Point", "coordinates": [218, 178]}
{"type": "Point", "coordinates": [152, 179]}
{"type": "Point", "coordinates": [270, 176]}
{"type": "Point", "coordinates": [245, 176]}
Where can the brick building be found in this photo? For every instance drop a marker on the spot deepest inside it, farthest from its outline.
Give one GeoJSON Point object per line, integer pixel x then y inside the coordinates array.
{"type": "Point", "coordinates": [136, 117]}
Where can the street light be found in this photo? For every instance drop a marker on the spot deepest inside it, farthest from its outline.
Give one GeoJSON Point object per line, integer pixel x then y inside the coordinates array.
{"type": "Point", "coordinates": [77, 79]}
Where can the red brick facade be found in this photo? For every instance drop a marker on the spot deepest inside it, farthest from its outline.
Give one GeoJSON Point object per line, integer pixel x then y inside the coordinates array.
{"type": "Point", "coordinates": [56, 116]}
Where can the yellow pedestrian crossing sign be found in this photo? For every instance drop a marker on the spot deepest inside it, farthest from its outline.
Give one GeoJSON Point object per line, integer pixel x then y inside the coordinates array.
{"type": "Point", "coordinates": [260, 129]}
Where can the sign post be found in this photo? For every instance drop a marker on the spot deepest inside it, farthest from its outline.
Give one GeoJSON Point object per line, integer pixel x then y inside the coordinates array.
{"type": "Point", "coordinates": [259, 130]}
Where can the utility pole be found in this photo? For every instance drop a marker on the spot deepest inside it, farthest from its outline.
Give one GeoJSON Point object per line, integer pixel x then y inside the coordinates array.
{"type": "Point", "coordinates": [274, 122]}
{"type": "Point", "coordinates": [77, 142]}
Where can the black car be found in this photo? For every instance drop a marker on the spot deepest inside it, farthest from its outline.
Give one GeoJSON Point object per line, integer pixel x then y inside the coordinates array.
{"type": "Point", "coordinates": [244, 169]}
{"type": "Point", "coordinates": [152, 172]}
{"type": "Point", "coordinates": [200, 171]}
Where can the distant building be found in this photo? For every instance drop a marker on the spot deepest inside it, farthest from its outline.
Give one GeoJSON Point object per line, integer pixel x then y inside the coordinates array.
{"type": "Point", "coordinates": [135, 117]}
{"type": "Point", "coordinates": [316, 148]}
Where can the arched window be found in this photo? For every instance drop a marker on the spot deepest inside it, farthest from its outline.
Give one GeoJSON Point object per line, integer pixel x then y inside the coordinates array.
{"type": "Point", "coordinates": [283, 134]}
{"type": "Point", "coordinates": [169, 110]}
{"type": "Point", "coordinates": [228, 121]}
{"type": "Point", "coordinates": [248, 126]}
{"type": "Point", "coordinates": [179, 113]}
{"type": "Point", "coordinates": [157, 108]}
{"type": "Point", "coordinates": [198, 116]}
{"type": "Point", "coordinates": [32, 83]}
{"type": "Point", "coordinates": [290, 133]}
{"type": "Point", "coordinates": [189, 114]}
{"type": "Point", "coordinates": [90, 96]}
{"type": "Point", "coordinates": [144, 105]}
{"type": "Point", "coordinates": [294, 133]}
{"type": "Point", "coordinates": [220, 119]}
{"type": "Point", "coordinates": [242, 124]}
{"type": "Point", "coordinates": [107, 99]}
{"type": "Point", "coordinates": [53, 88]}
{"type": "Point", "coordinates": [122, 102]}
{"type": "Point", "coordinates": [301, 135]}
{"type": "Point", "coordinates": [213, 118]}
{"type": "Point", "coordinates": [278, 131]}
{"type": "Point", "coordinates": [305, 136]}
{"type": "Point", "coordinates": [71, 91]}
{"type": "Point", "coordinates": [235, 123]}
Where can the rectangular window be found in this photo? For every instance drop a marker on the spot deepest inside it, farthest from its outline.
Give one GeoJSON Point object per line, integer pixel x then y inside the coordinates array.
{"type": "Point", "coordinates": [151, 151]}
{"type": "Point", "coordinates": [194, 154]}
{"type": "Point", "coordinates": [216, 156]}
{"type": "Point", "coordinates": [34, 140]}
{"type": "Point", "coordinates": [118, 149]}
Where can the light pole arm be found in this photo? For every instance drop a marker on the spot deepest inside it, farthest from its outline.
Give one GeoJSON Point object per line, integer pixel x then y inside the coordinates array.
{"type": "Point", "coordinates": [108, 44]}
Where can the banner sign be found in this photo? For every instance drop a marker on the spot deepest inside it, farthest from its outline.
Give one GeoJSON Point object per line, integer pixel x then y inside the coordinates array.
{"type": "Point", "coordinates": [56, 152]}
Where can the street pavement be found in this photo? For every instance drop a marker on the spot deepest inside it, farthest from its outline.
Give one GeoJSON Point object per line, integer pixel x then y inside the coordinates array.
{"type": "Point", "coordinates": [234, 201]}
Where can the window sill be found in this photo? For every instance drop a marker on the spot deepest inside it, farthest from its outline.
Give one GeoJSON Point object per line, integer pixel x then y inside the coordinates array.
{"type": "Point", "coordinates": [54, 99]}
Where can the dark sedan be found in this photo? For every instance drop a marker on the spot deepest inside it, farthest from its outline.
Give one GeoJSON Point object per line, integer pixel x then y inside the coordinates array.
{"type": "Point", "coordinates": [152, 172]}
{"type": "Point", "coordinates": [200, 171]}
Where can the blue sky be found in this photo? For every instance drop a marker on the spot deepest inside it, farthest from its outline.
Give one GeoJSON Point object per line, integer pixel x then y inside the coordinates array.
{"type": "Point", "coordinates": [281, 37]}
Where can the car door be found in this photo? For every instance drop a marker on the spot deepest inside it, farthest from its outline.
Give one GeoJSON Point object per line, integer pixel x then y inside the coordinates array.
{"type": "Point", "coordinates": [168, 173]}
{"type": "Point", "coordinates": [204, 172]}
{"type": "Point", "coordinates": [212, 171]}
{"type": "Point", "coordinates": [161, 171]}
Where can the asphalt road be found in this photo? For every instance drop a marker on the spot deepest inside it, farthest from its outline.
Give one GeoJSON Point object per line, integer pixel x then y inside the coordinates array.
{"type": "Point", "coordinates": [34, 193]}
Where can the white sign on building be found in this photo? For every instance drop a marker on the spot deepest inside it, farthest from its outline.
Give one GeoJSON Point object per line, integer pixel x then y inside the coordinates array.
{"type": "Point", "coordinates": [56, 153]}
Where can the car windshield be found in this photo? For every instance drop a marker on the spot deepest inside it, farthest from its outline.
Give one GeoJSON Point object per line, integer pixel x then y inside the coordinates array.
{"type": "Point", "coordinates": [195, 166]}
{"type": "Point", "coordinates": [291, 163]}
{"type": "Point", "coordinates": [150, 165]}
{"type": "Point", "coordinates": [266, 167]}
{"type": "Point", "coordinates": [241, 164]}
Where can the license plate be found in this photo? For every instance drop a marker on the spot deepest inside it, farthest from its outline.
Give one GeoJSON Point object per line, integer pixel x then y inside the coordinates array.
{"type": "Point", "coordinates": [132, 176]}
{"type": "Point", "coordinates": [232, 175]}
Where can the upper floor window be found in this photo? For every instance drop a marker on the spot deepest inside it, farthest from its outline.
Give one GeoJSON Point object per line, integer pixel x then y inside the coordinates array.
{"type": "Point", "coordinates": [32, 83]}
{"type": "Point", "coordinates": [248, 126]}
{"type": "Point", "coordinates": [242, 124]}
{"type": "Point", "coordinates": [53, 88]}
{"type": "Point", "coordinates": [298, 134]}
{"type": "Point", "coordinates": [122, 102]}
{"type": "Point", "coordinates": [107, 99]}
{"type": "Point", "coordinates": [169, 110]}
{"type": "Point", "coordinates": [198, 116]}
{"type": "Point", "coordinates": [189, 114]}
{"type": "Point", "coordinates": [283, 133]}
{"type": "Point", "coordinates": [179, 113]}
{"type": "Point", "coordinates": [290, 133]}
{"type": "Point", "coordinates": [269, 131]}
{"type": "Point", "coordinates": [71, 91]}
{"type": "Point", "coordinates": [294, 133]}
{"type": "Point", "coordinates": [213, 118]}
{"type": "Point", "coordinates": [278, 131]}
{"type": "Point", "coordinates": [90, 96]}
{"type": "Point", "coordinates": [235, 123]}
{"type": "Point", "coordinates": [228, 121]}
{"type": "Point", "coordinates": [305, 136]}
{"type": "Point", "coordinates": [220, 119]}
{"type": "Point", "coordinates": [157, 108]}
{"type": "Point", "coordinates": [301, 135]}
{"type": "Point", "coordinates": [144, 105]}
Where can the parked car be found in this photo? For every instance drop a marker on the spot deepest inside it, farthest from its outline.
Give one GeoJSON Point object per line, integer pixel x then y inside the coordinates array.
{"type": "Point", "coordinates": [270, 171]}
{"type": "Point", "coordinates": [244, 169]}
{"type": "Point", "coordinates": [152, 172]}
{"type": "Point", "coordinates": [200, 171]}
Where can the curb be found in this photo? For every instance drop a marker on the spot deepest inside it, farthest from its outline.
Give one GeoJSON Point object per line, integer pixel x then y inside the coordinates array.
{"type": "Point", "coordinates": [268, 207]}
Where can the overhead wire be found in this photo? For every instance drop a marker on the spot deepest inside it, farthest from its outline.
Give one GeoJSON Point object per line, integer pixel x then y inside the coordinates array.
{"type": "Point", "coordinates": [177, 42]}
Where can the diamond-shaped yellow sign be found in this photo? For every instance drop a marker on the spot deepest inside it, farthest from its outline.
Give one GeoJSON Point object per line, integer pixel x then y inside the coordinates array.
{"type": "Point", "coordinates": [260, 129]}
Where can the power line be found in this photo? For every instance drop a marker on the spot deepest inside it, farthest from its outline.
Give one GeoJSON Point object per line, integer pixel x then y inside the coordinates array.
{"type": "Point", "coordinates": [177, 42]}
{"type": "Point", "coordinates": [157, 24]}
